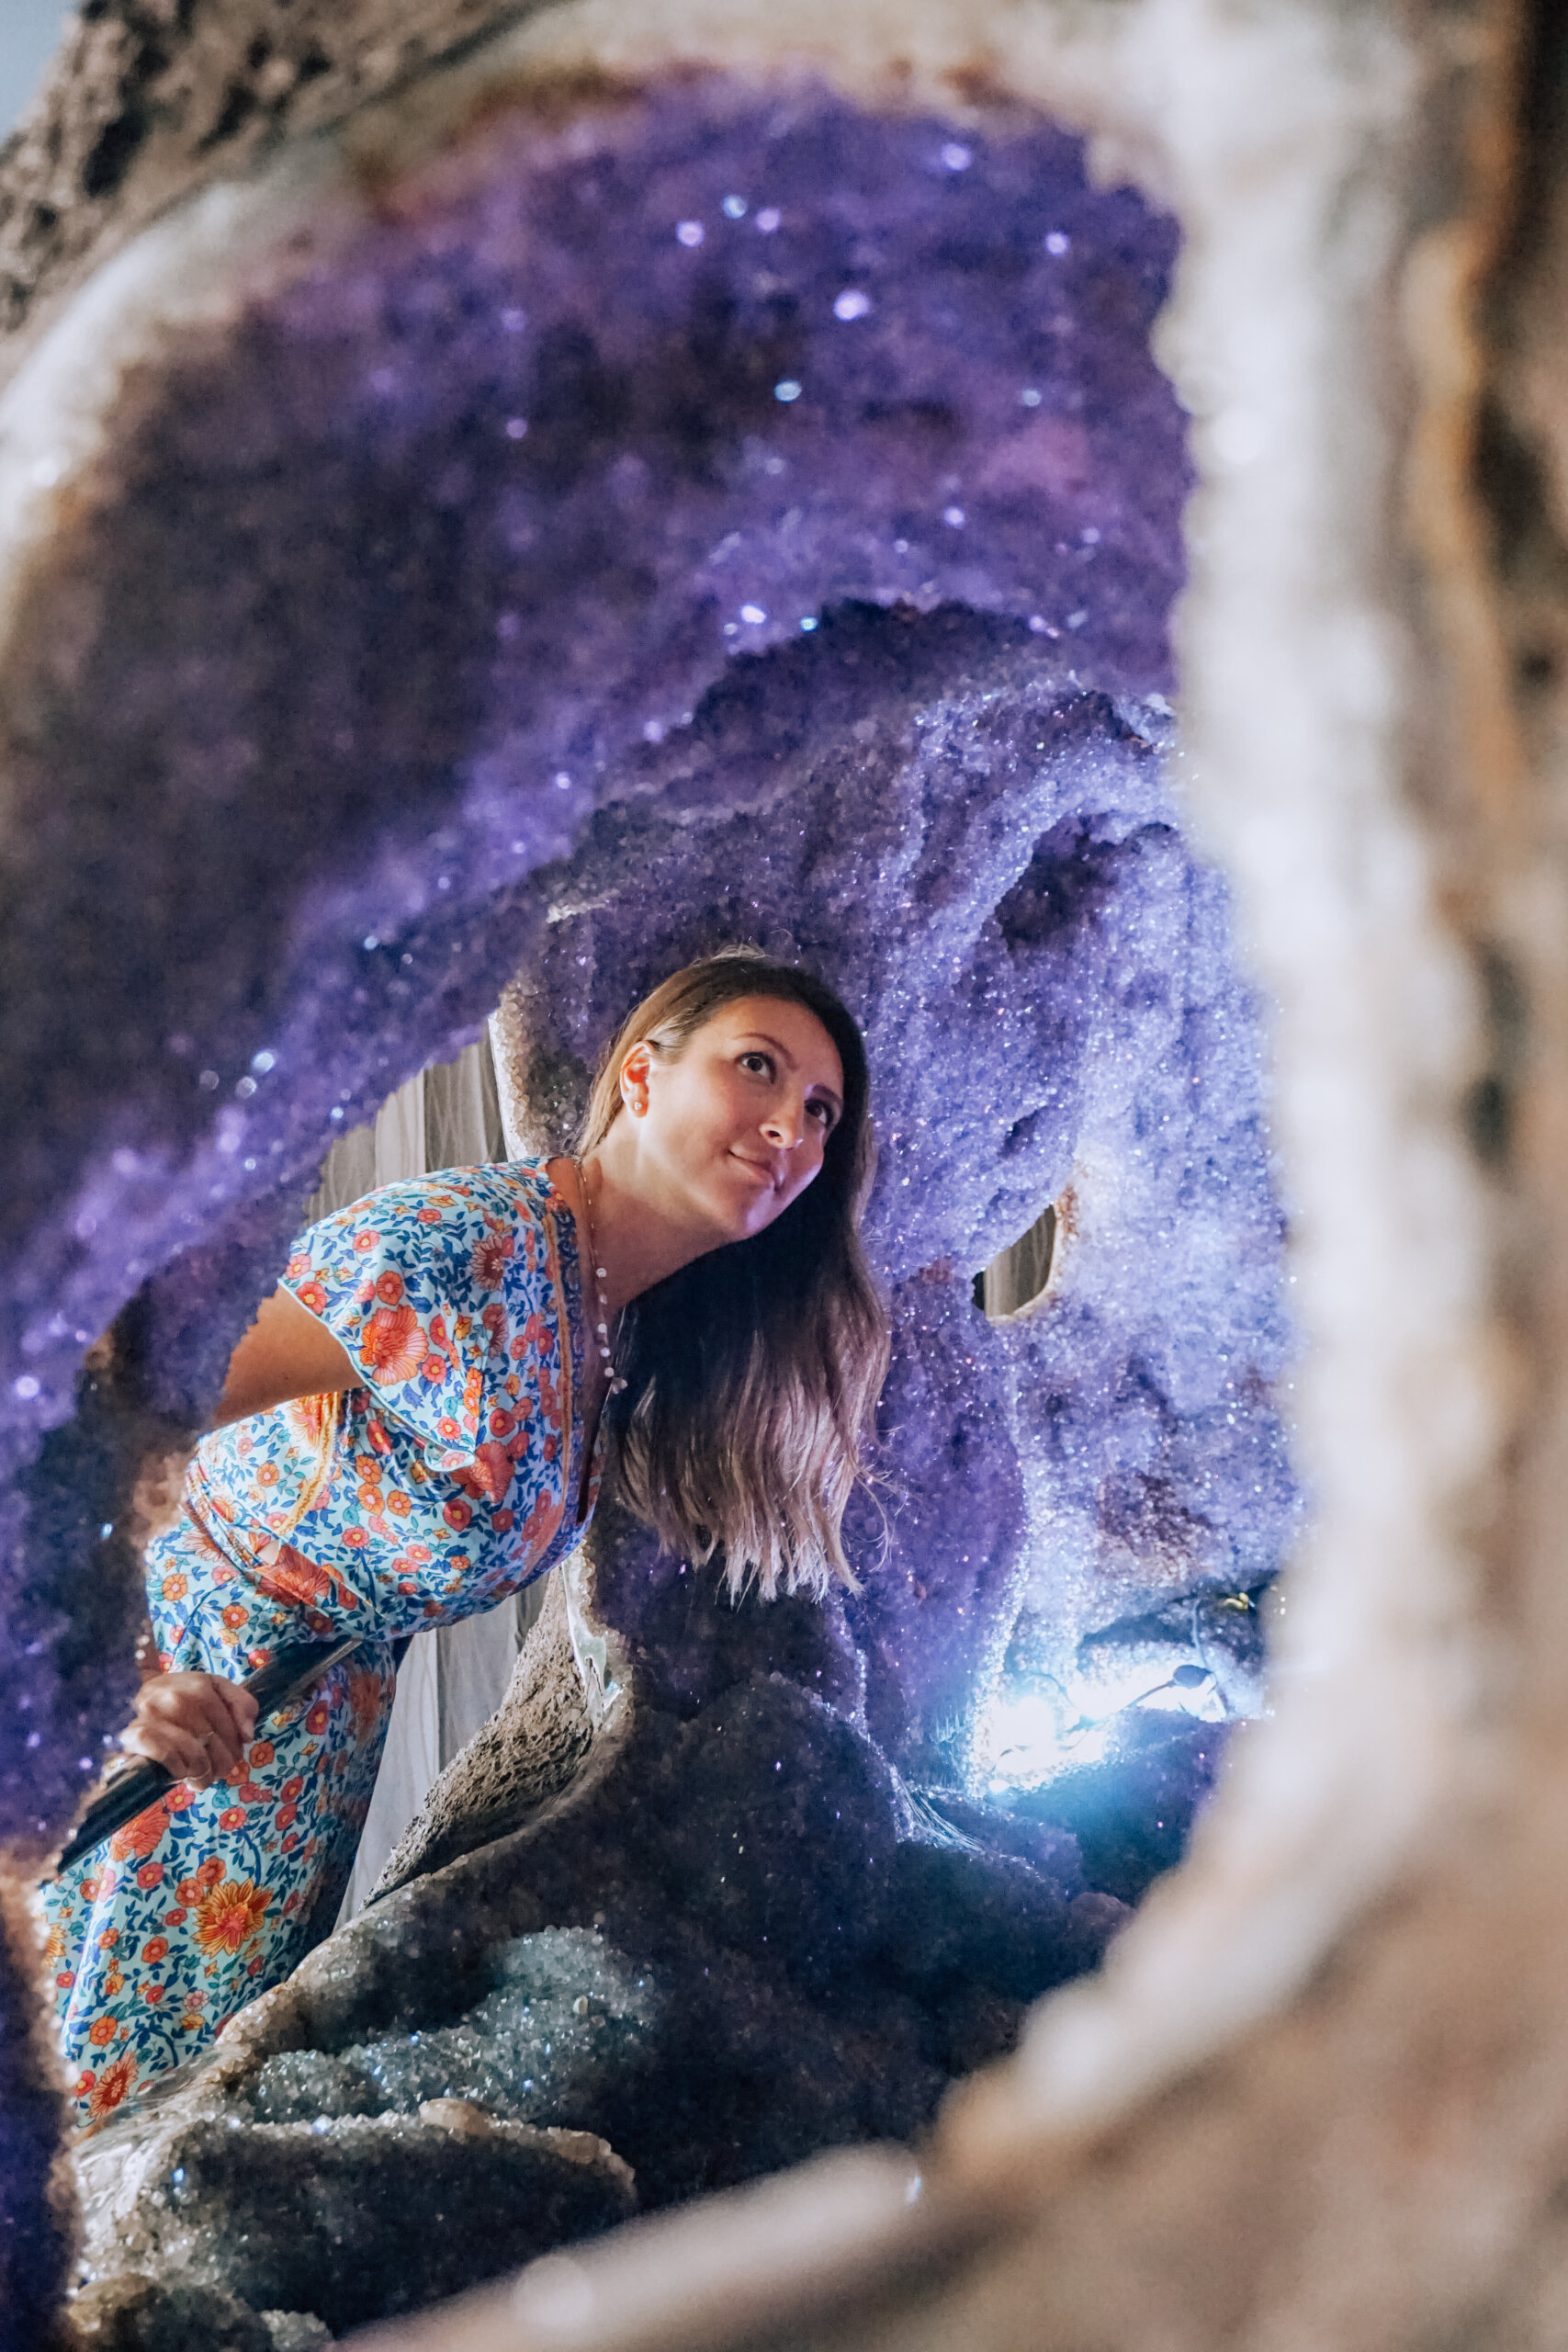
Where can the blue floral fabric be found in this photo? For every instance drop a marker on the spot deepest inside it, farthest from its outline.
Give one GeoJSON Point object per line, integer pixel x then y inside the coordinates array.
{"type": "Point", "coordinates": [446, 1482]}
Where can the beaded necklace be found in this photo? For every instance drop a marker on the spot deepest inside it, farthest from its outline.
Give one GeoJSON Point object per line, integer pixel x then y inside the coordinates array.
{"type": "Point", "coordinates": [602, 1322]}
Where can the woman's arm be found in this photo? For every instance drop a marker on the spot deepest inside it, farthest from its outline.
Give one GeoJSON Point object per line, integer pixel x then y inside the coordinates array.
{"type": "Point", "coordinates": [199, 1725]}
{"type": "Point", "coordinates": [286, 1353]}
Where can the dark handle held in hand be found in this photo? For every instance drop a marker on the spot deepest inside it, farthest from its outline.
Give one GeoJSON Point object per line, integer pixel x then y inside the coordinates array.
{"type": "Point", "coordinates": [288, 1674]}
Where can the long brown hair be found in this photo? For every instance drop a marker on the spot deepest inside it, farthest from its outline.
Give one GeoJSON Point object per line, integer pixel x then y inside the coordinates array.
{"type": "Point", "coordinates": [751, 1373]}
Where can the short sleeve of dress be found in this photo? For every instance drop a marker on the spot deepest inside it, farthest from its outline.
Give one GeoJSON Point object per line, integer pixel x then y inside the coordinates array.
{"type": "Point", "coordinates": [410, 1280]}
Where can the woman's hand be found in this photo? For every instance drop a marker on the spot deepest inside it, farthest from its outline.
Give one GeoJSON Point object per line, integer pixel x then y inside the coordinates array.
{"type": "Point", "coordinates": [196, 1725]}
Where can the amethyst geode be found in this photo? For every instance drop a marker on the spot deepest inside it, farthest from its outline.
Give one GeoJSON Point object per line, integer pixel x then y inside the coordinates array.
{"type": "Point", "coordinates": [993, 876]}
{"type": "Point", "coordinates": [690, 515]}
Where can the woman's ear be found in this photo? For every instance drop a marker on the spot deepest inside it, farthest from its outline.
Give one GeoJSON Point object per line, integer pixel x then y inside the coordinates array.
{"type": "Point", "coordinates": [634, 1078]}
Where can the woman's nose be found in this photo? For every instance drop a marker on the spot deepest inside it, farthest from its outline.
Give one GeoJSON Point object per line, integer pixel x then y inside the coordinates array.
{"type": "Point", "coordinates": [785, 1126]}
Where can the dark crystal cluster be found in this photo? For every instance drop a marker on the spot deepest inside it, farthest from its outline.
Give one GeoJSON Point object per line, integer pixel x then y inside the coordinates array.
{"type": "Point", "coordinates": [733, 1940]}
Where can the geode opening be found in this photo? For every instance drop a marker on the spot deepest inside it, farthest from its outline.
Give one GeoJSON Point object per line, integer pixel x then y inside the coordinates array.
{"type": "Point", "coordinates": [718, 515]}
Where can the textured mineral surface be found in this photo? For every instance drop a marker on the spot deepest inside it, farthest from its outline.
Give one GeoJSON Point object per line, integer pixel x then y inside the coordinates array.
{"type": "Point", "coordinates": [679, 517]}
{"type": "Point", "coordinates": [565, 484]}
{"type": "Point", "coordinates": [758, 1946]}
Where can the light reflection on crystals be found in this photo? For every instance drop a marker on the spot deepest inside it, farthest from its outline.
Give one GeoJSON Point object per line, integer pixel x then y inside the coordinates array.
{"type": "Point", "coordinates": [1026, 1738]}
{"type": "Point", "coordinates": [563, 2004]}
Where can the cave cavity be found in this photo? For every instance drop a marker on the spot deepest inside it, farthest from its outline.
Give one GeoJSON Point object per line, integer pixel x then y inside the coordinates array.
{"type": "Point", "coordinates": [727, 516]}
{"type": "Point", "coordinates": [437, 543]}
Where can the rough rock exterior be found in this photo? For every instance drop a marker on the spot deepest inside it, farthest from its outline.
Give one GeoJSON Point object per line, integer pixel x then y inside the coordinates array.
{"type": "Point", "coordinates": [1374, 2161]}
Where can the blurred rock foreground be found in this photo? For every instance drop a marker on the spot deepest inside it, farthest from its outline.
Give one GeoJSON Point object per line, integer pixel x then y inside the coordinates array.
{"type": "Point", "coordinates": [760, 1889]}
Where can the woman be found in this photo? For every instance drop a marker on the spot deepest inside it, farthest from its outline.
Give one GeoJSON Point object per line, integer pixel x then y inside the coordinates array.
{"type": "Point", "coordinates": [412, 1429]}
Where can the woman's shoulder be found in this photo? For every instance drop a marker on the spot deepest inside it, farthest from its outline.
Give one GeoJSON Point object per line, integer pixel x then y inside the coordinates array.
{"type": "Point", "coordinates": [422, 1274]}
{"type": "Point", "coordinates": [517, 1187]}
{"type": "Point", "coordinates": [452, 1197]}
{"type": "Point", "coordinates": [468, 1207]}
{"type": "Point", "coordinates": [474, 1216]}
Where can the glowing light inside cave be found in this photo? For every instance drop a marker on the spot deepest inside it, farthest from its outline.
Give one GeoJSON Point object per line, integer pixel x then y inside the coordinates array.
{"type": "Point", "coordinates": [1026, 1736]}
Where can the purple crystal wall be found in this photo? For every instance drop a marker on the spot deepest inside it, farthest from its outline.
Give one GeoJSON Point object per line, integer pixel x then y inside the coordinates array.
{"type": "Point", "coordinates": [723, 517]}
{"type": "Point", "coordinates": [993, 876]}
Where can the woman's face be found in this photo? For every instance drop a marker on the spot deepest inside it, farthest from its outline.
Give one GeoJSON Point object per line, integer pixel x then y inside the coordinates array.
{"type": "Point", "coordinates": [734, 1129]}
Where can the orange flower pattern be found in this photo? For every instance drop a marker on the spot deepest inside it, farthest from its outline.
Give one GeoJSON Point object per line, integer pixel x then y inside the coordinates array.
{"type": "Point", "coordinates": [110, 2087]}
{"type": "Point", "coordinates": [429, 1493]}
{"type": "Point", "coordinates": [229, 1916]}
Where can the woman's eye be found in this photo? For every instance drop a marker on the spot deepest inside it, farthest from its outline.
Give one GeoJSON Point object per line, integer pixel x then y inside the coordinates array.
{"type": "Point", "coordinates": [757, 1062]}
{"type": "Point", "coordinates": [823, 1110]}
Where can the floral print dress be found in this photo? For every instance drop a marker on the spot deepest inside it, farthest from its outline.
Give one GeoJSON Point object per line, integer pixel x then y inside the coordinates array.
{"type": "Point", "coordinates": [443, 1485]}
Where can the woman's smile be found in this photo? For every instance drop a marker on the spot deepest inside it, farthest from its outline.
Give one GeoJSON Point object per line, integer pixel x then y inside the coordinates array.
{"type": "Point", "coordinates": [763, 1175]}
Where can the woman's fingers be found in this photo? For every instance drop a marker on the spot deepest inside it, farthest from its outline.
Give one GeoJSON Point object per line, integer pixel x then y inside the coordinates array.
{"type": "Point", "coordinates": [179, 1752]}
{"type": "Point", "coordinates": [240, 1706]}
{"type": "Point", "coordinates": [196, 1725]}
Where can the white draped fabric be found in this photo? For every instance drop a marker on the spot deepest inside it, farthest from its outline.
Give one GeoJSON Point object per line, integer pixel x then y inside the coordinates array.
{"type": "Point", "coordinates": [451, 1680]}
